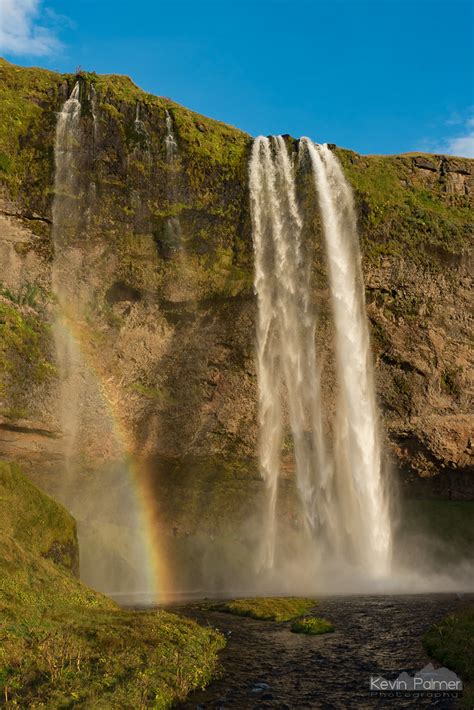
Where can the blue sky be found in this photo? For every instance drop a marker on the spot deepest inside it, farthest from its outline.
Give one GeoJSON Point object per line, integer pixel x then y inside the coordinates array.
{"type": "Point", "coordinates": [378, 76]}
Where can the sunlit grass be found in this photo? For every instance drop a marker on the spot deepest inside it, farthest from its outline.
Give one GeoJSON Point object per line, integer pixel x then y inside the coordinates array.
{"type": "Point", "coordinates": [268, 608]}
{"type": "Point", "coordinates": [64, 645]}
{"type": "Point", "coordinates": [312, 625]}
{"type": "Point", "coordinates": [451, 642]}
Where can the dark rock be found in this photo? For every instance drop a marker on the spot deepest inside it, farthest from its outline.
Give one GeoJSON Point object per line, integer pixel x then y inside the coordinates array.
{"type": "Point", "coordinates": [421, 161]}
{"type": "Point", "coordinates": [121, 291]}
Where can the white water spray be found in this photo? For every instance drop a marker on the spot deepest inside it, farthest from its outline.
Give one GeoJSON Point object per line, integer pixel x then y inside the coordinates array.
{"type": "Point", "coordinates": [171, 143]}
{"type": "Point", "coordinates": [343, 504]}
{"type": "Point", "coordinates": [138, 123]}
{"type": "Point", "coordinates": [358, 451]}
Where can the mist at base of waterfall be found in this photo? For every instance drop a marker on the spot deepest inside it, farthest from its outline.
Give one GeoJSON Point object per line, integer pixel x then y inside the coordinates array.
{"type": "Point", "coordinates": [430, 555]}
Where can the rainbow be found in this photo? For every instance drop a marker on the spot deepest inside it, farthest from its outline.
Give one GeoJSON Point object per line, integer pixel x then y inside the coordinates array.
{"type": "Point", "coordinates": [159, 580]}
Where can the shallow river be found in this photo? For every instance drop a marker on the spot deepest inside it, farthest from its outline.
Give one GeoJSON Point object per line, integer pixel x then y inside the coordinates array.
{"type": "Point", "coordinates": [267, 666]}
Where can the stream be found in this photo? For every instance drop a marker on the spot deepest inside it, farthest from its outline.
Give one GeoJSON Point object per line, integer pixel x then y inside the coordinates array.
{"type": "Point", "coordinates": [265, 665]}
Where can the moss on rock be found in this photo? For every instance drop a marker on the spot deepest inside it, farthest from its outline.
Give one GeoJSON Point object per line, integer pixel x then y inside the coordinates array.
{"type": "Point", "coordinates": [25, 351]}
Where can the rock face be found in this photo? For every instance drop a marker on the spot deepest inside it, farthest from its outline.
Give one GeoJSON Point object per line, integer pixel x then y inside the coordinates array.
{"type": "Point", "coordinates": [168, 324]}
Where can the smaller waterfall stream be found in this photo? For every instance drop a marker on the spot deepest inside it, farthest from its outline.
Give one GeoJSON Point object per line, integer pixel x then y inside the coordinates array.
{"type": "Point", "coordinates": [173, 225]}
{"type": "Point", "coordinates": [65, 210]}
{"type": "Point", "coordinates": [95, 484]}
{"type": "Point", "coordinates": [170, 140]}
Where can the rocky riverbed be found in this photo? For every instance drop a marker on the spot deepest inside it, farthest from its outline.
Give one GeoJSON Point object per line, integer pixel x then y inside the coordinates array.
{"type": "Point", "coordinates": [265, 665]}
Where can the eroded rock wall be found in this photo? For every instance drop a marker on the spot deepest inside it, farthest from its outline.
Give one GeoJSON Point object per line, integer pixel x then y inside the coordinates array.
{"type": "Point", "coordinates": [168, 321]}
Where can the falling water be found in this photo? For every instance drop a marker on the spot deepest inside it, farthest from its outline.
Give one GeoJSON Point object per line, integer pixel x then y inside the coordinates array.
{"type": "Point", "coordinates": [357, 438]}
{"type": "Point", "coordinates": [170, 140]}
{"type": "Point", "coordinates": [112, 538]}
{"type": "Point", "coordinates": [285, 337]}
{"type": "Point", "coordinates": [341, 496]}
{"type": "Point", "coordinates": [66, 206]}
{"type": "Point", "coordinates": [173, 225]}
{"type": "Point", "coordinates": [139, 126]}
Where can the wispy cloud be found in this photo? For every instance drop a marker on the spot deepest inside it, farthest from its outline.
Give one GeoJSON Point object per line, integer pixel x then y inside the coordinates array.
{"type": "Point", "coordinates": [461, 144]}
{"type": "Point", "coordinates": [25, 29]}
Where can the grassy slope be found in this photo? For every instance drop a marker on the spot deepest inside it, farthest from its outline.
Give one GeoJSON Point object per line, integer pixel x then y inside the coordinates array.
{"type": "Point", "coordinates": [400, 216]}
{"type": "Point", "coordinates": [451, 642]}
{"type": "Point", "coordinates": [62, 644]}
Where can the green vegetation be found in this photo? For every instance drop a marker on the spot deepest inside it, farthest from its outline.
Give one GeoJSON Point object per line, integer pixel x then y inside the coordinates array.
{"type": "Point", "coordinates": [450, 381]}
{"type": "Point", "coordinates": [156, 393]}
{"type": "Point", "coordinates": [399, 216]}
{"type": "Point", "coordinates": [26, 131]}
{"type": "Point", "coordinates": [29, 294]}
{"type": "Point", "coordinates": [312, 625]}
{"type": "Point", "coordinates": [268, 608]}
{"type": "Point", "coordinates": [451, 642]}
{"type": "Point", "coordinates": [64, 645]}
{"type": "Point", "coordinates": [34, 520]}
{"type": "Point", "coordinates": [208, 180]}
{"type": "Point", "coordinates": [25, 348]}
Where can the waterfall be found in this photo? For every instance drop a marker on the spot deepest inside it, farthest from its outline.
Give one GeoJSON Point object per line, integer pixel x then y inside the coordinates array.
{"type": "Point", "coordinates": [342, 501]}
{"type": "Point", "coordinates": [112, 537]}
{"type": "Point", "coordinates": [173, 225]}
{"type": "Point", "coordinates": [171, 144]}
{"type": "Point", "coordinates": [66, 206]}
{"type": "Point", "coordinates": [139, 126]}
{"type": "Point", "coordinates": [285, 338]}
{"type": "Point", "coordinates": [358, 443]}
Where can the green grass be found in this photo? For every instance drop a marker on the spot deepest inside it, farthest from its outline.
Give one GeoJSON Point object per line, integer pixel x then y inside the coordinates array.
{"type": "Point", "coordinates": [268, 608]}
{"type": "Point", "coordinates": [25, 348]}
{"type": "Point", "coordinates": [26, 130]}
{"type": "Point", "coordinates": [451, 642]}
{"type": "Point", "coordinates": [312, 625]}
{"type": "Point", "coordinates": [400, 217]}
{"type": "Point", "coordinates": [63, 645]}
{"type": "Point", "coordinates": [33, 522]}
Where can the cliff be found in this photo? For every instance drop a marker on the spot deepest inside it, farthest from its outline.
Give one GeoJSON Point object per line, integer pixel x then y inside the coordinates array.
{"type": "Point", "coordinates": [168, 326]}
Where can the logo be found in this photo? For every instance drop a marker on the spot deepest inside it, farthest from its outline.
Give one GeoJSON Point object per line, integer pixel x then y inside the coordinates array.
{"type": "Point", "coordinates": [430, 682]}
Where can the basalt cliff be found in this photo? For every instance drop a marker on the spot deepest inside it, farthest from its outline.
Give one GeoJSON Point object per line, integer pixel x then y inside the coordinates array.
{"type": "Point", "coordinates": [167, 325]}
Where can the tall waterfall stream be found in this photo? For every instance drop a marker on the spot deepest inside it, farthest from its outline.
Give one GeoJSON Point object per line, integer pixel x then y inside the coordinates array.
{"type": "Point", "coordinates": [341, 489]}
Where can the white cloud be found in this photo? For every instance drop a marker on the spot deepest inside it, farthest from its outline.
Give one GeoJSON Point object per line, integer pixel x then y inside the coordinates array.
{"type": "Point", "coordinates": [22, 30]}
{"type": "Point", "coordinates": [463, 146]}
